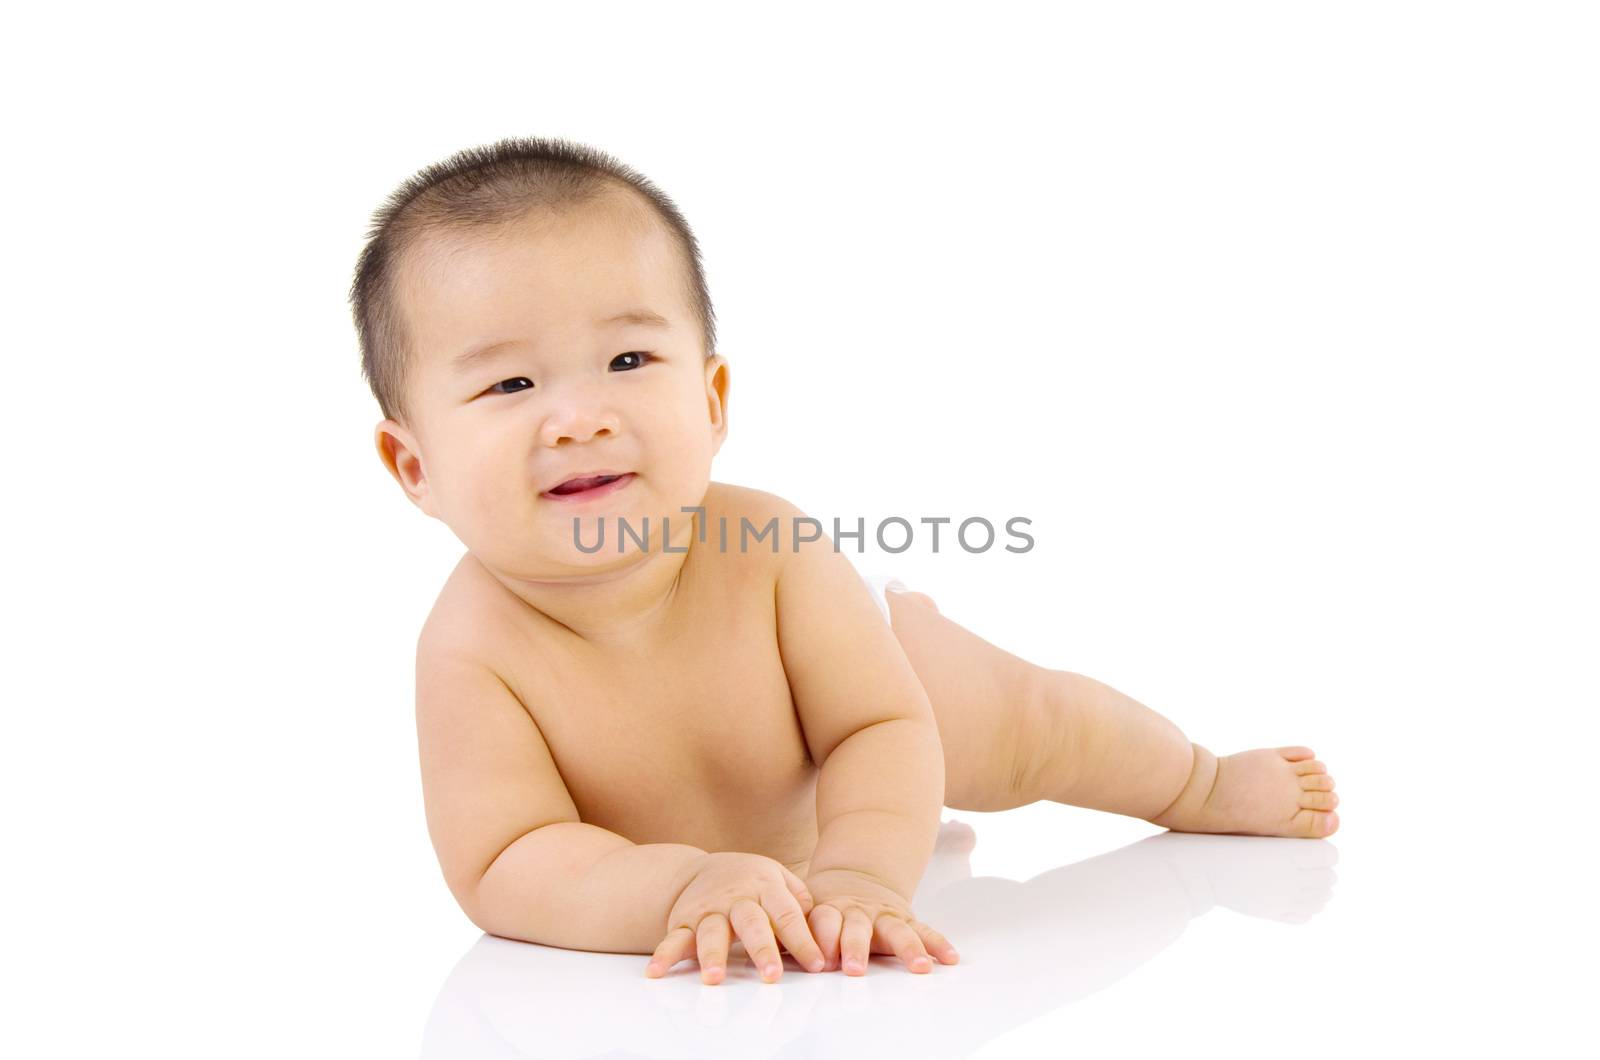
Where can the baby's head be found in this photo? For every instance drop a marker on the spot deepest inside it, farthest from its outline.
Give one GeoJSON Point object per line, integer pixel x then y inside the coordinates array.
{"type": "Point", "coordinates": [529, 312]}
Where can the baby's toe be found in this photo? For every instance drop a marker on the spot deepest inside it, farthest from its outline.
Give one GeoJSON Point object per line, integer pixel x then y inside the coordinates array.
{"type": "Point", "coordinates": [1314, 824]}
{"type": "Point", "coordinates": [1316, 782]}
{"type": "Point", "coordinates": [1318, 800]}
{"type": "Point", "coordinates": [1309, 767]}
{"type": "Point", "coordinates": [1296, 754]}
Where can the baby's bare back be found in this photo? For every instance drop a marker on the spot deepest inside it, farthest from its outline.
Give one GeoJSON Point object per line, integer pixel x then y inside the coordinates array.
{"type": "Point", "coordinates": [692, 740]}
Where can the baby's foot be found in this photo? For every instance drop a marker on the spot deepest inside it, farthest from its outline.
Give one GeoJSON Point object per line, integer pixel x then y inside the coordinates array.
{"type": "Point", "coordinates": [1270, 791]}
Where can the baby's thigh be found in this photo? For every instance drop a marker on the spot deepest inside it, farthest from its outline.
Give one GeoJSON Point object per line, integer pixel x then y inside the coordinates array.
{"type": "Point", "coordinates": [988, 704]}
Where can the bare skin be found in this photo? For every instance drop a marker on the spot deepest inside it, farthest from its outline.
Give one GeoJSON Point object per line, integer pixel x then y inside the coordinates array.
{"type": "Point", "coordinates": [689, 739]}
{"type": "Point", "coordinates": [1068, 738]}
{"type": "Point", "coordinates": [697, 741]}
{"type": "Point", "coordinates": [695, 695]}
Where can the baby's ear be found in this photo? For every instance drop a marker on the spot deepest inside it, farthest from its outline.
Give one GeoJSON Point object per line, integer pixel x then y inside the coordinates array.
{"type": "Point", "coordinates": [717, 393]}
{"type": "Point", "coordinates": [398, 450]}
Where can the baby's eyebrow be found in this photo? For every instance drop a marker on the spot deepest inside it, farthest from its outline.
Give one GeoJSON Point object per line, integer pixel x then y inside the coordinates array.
{"type": "Point", "coordinates": [477, 354]}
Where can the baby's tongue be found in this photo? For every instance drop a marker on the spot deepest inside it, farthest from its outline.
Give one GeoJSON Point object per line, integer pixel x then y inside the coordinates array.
{"type": "Point", "coordinates": [579, 484]}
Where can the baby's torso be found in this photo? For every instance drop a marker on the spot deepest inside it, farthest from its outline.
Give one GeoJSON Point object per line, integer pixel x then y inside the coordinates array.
{"type": "Point", "coordinates": [696, 741]}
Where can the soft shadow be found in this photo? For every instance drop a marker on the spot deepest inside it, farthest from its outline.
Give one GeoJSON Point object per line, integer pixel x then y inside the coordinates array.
{"type": "Point", "coordinates": [1026, 948]}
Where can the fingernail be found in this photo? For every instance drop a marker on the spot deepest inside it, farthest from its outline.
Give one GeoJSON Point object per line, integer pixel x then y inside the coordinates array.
{"type": "Point", "coordinates": [770, 970]}
{"type": "Point", "coordinates": [852, 965]}
{"type": "Point", "coordinates": [817, 964]}
{"type": "Point", "coordinates": [919, 962]}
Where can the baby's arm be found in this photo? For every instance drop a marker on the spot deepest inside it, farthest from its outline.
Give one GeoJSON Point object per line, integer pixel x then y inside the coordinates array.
{"type": "Point", "coordinates": [514, 853]}
{"type": "Point", "coordinates": [868, 722]}
{"type": "Point", "coordinates": [866, 719]}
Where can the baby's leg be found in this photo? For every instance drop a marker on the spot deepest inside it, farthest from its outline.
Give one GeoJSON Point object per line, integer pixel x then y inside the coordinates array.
{"type": "Point", "coordinates": [1106, 740]}
{"type": "Point", "coordinates": [1014, 733]}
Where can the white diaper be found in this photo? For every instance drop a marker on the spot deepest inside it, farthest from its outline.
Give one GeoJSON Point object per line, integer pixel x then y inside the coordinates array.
{"type": "Point", "coordinates": [881, 584]}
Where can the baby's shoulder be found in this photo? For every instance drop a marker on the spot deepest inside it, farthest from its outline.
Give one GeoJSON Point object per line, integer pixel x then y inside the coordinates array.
{"type": "Point", "coordinates": [468, 617]}
{"type": "Point", "coordinates": [759, 507]}
{"type": "Point", "coordinates": [729, 499]}
{"type": "Point", "coordinates": [763, 521]}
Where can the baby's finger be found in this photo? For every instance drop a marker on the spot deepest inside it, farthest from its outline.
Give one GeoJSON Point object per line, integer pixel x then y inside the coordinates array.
{"type": "Point", "coordinates": [855, 942]}
{"type": "Point", "coordinates": [937, 944]}
{"type": "Point", "coordinates": [711, 945]}
{"type": "Point", "coordinates": [790, 917]}
{"type": "Point", "coordinates": [907, 945]}
{"type": "Point", "coordinates": [797, 887]}
{"type": "Point", "coordinates": [826, 924]}
{"type": "Point", "coordinates": [678, 944]}
{"type": "Point", "coordinates": [755, 931]}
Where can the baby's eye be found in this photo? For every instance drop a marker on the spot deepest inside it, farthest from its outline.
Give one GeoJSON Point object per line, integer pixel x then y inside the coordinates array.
{"type": "Point", "coordinates": [511, 386]}
{"type": "Point", "coordinates": [640, 354]}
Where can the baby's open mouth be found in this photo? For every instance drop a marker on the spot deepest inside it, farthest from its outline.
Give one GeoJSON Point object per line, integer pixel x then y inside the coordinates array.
{"type": "Point", "coordinates": [586, 484]}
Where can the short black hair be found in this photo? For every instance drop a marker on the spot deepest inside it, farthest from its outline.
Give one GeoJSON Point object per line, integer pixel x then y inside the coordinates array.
{"type": "Point", "coordinates": [483, 187]}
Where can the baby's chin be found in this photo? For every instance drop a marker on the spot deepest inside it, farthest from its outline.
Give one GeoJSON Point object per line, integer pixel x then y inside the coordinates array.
{"type": "Point", "coordinates": [550, 540]}
{"type": "Point", "coordinates": [572, 570]}
{"type": "Point", "coordinates": [556, 557]}
{"type": "Point", "coordinates": [609, 530]}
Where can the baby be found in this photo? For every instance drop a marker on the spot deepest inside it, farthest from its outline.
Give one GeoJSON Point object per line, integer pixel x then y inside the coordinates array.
{"type": "Point", "coordinates": [700, 728]}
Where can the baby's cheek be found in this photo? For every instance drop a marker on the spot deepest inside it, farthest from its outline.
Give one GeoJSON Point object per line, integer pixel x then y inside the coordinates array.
{"type": "Point", "coordinates": [485, 504]}
{"type": "Point", "coordinates": [468, 504]}
{"type": "Point", "coordinates": [487, 485]}
{"type": "Point", "coordinates": [498, 514]}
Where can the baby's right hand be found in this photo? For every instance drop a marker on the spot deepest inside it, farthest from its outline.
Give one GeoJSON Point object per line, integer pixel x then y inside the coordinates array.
{"type": "Point", "coordinates": [753, 893]}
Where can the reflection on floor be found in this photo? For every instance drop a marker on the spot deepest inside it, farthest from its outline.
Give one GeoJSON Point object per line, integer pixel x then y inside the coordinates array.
{"type": "Point", "coordinates": [1026, 948]}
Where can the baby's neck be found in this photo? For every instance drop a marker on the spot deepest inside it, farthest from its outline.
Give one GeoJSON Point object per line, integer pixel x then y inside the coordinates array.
{"type": "Point", "coordinates": [620, 608]}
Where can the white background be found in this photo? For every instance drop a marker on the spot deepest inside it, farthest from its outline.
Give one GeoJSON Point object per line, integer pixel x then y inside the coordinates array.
{"type": "Point", "coordinates": [1277, 320]}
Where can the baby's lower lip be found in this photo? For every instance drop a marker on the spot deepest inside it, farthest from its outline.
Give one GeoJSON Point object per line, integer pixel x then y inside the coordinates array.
{"type": "Point", "coordinates": [593, 493]}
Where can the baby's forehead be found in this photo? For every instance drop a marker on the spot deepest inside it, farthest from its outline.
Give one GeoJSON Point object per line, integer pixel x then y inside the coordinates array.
{"type": "Point", "coordinates": [571, 242]}
{"type": "Point", "coordinates": [466, 286]}
{"type": "Point", "coordinates": [605, 218]}
{"type": "Point", "coordinates": [562, 255]}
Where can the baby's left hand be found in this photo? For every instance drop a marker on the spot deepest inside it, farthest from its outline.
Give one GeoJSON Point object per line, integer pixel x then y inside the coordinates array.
{"type": "Point", "coordinates": [855, 915]}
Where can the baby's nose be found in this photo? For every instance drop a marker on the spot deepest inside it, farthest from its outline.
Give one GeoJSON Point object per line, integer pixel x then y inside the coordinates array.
{"type": "Point", "coordinates": [575, 430]}
{"type": "Point", "coordinates": [580, 415]}
{"type": "Point", "coordinates": [570, 433]}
